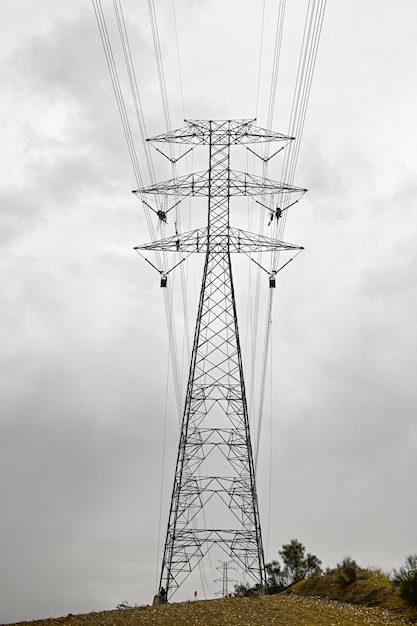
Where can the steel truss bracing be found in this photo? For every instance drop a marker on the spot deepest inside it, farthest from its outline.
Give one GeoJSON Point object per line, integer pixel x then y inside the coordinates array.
{"type": "Point", "coordinates": [214, 498]}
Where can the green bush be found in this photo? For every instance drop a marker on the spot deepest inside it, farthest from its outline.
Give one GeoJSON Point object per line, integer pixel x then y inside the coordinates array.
{"type": "Point", "coordinates": [347, 571]}
{"type": "Point", "coordinates": [296, 565]}
{"type": "Point", "coordinates": [245, 590]}
{"type": "Point", "coordinates": [406, 579]}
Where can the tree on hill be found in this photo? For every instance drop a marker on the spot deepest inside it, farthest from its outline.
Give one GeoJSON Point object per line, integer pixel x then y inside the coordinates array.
{"type": "Point", "coordinates": [296, 565]}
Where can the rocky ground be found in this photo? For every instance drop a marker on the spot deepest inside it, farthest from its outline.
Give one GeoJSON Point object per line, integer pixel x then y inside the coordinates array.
{"type": "Point", "coordinates": [282, 610]}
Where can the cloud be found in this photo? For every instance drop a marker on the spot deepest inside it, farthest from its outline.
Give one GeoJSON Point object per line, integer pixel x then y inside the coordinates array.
{"type": "Point", "coordinates": [83, 331]}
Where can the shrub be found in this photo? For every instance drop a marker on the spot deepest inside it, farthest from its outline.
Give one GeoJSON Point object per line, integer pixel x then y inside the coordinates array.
{"type": "Point", "coordinates": [347, 571]}
{"type": "Point", "coordinates": [247, 590]}
{"type": "Point", "coordinates": [123, 605]}
{"type": "Point", "coordinates": [406, 579]}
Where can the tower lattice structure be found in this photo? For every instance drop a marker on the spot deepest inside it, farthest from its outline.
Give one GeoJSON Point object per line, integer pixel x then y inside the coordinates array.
{"type": "Point", "coordinates": [214, 497]}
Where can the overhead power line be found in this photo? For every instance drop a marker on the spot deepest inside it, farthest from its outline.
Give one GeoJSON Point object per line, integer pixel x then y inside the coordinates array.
{"type": "Point", "coordinates": [111, 64]}
{"type": "Point", "coordinates": [308, 55]}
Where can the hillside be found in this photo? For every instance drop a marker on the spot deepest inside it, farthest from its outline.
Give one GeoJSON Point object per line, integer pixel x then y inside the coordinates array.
{"type": "Point", "coordinates": [285, 609]}
{"type": "Point", "coordinates": [368, 588]}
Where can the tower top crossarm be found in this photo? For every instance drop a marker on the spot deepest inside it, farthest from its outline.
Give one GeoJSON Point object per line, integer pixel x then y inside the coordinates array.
{"type": "Point", "coordinates": [203, 132]}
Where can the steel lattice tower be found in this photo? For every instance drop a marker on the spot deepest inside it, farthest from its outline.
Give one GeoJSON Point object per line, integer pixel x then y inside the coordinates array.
{"type": "Point", "coordinates": [214, 498]}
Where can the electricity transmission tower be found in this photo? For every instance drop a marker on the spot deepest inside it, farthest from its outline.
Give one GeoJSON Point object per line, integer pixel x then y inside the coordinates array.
{"type": "Point", "coordinates": [214, 498]}
{"type": "Point", "coordinates": [225, 579]}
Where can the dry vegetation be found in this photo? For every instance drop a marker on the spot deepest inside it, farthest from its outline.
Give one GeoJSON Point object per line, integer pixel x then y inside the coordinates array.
{"type": "Point", "coordinates": [371, 588]}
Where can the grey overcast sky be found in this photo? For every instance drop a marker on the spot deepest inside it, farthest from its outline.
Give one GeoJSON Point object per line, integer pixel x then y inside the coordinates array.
{"type": "Point", "coordinates": [84, 347]}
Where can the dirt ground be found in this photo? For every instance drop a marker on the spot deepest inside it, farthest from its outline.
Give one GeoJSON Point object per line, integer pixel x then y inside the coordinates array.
{"type": "Point", "coordinates": [282, 610]}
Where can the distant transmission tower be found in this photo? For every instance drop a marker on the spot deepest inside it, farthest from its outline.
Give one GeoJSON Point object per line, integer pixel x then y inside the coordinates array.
{"type": "Point", "coordinates": [214, 500]}
{"type": "Point", "coordinates": [225, 579]}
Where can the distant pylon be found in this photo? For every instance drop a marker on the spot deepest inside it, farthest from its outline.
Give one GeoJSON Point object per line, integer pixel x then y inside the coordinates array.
{"type": "Point", "coordinates": [214, 499]}
{"type": "Point", "coordinates": [225, 579]}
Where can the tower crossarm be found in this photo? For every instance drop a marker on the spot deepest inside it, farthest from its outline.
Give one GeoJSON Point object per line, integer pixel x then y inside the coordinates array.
{"type": "Point", "coordinates": [220, 132]}
{"type": "Point", "coordinates": [239, 241]}
{"type": "Point", "coordinates": [226, 184]}
{"type": "Point", "coordinates": [244, 241]}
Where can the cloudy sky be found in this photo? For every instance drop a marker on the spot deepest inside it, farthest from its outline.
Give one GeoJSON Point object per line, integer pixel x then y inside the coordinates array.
{"type": "Point", "coordinates": [84, 347]}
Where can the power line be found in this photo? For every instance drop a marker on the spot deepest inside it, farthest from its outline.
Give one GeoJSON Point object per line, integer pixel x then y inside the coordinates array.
{"type": "Point", "coordinates": [178, 57]}
{"type": "Point", "coordinates": [307, 60]}
{"type": "Point", "coordinates": [260, 58]}
{"type": "Point", "coordinates": [101, 22]}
